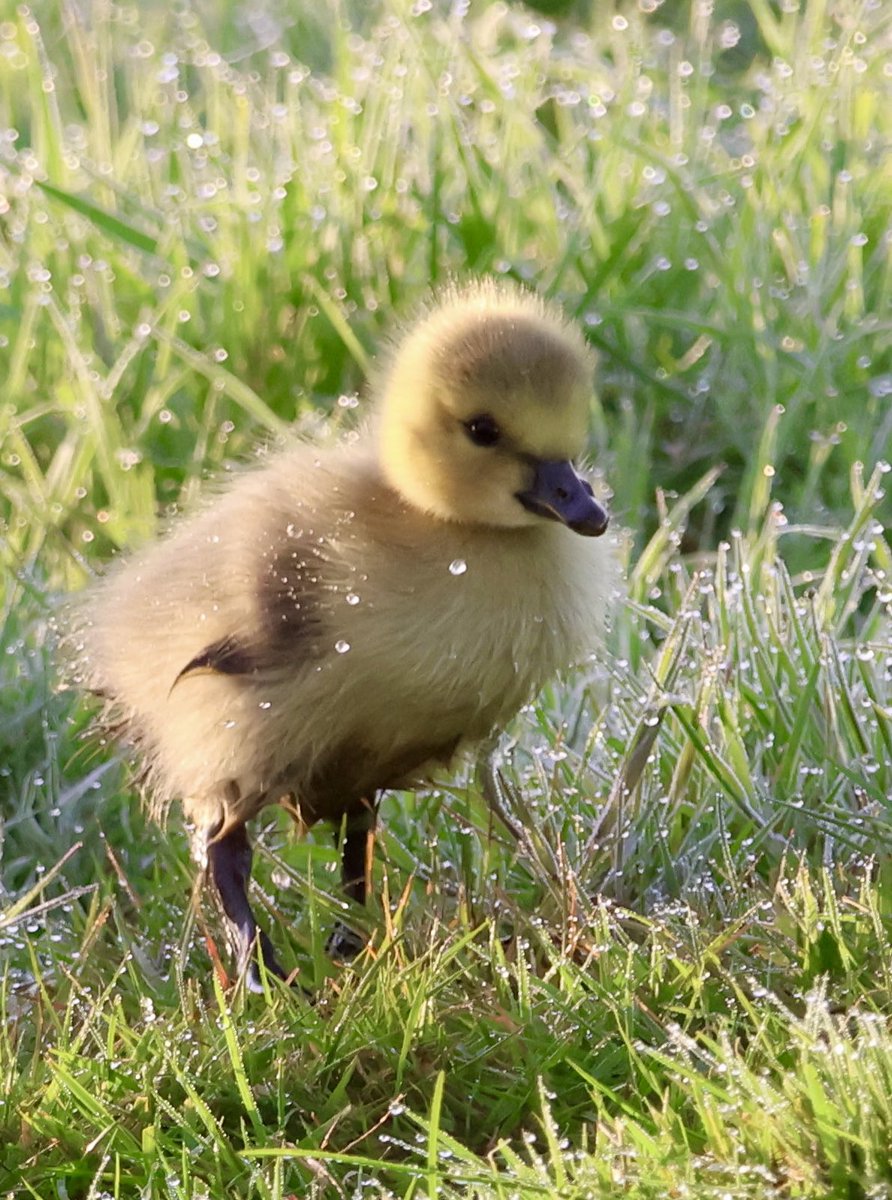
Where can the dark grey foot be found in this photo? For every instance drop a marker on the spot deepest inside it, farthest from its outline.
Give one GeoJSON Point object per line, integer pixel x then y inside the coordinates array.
{"type": "Point", "coordinates": [344, 943]}
{"type": "Point", "coordinates": [248, 963]}
{"type": "Point", "coordinates": [229, 864]}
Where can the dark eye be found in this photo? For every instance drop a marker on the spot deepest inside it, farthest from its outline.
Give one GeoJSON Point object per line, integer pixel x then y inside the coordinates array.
{"type": "Point", "coordinates": [483, 430]}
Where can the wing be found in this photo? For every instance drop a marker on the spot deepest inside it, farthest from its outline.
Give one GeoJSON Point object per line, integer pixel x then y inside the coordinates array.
{"type": "Point", "coordinates": [288, 604]}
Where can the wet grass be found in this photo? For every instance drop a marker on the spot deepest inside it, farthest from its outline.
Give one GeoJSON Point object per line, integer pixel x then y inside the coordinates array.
{"type": "Point", "coordinates": [679, 980]}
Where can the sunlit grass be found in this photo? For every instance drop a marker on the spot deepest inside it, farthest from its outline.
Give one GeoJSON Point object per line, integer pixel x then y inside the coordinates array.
{"type": "Point", "coordinates": [678, 979]}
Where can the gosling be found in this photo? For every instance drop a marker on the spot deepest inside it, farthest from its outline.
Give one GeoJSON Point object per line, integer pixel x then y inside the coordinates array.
{"type": "Point", "coordinates": [344, 620]}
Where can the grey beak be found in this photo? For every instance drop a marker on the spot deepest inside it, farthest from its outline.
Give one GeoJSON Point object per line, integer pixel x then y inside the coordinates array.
{"type": "Point", "coordinates": [561, 495]}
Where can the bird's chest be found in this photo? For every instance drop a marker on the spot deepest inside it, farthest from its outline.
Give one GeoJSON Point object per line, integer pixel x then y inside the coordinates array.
{"type": "Point", "coordinates": [411, 691]}
{"type": "Point", "coordinates": [456, 640]}
{"type": "Point", "coordinates": [417, 652]}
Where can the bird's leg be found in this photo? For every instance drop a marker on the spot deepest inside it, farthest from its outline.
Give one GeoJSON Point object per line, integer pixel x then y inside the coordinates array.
{"type": "Point", "coordinates": [229, 862]}
{"type": "Point", "coordinates": [356, 854]}
{"type": "Point", "coordinates": [356, 864]}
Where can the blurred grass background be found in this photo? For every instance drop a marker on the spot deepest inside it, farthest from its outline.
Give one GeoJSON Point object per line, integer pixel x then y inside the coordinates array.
{"type": "Point", "coordinates": [212, 215]}
{"type": "Point", "coordinates": [679, 982]}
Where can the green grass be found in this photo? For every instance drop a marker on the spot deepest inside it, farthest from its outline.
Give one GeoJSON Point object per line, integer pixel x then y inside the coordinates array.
{"type": "Point", "coordinates": [678, 981]}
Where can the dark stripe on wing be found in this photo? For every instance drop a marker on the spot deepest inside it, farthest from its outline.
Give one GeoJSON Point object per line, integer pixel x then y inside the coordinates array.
{"type": "Point", "coordinates": [226, 657]}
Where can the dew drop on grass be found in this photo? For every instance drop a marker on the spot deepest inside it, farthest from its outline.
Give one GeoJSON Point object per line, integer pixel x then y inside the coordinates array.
{"type": "Point", "coordinates": [458, 566]}
{"type": "Point", "coordinates": [341, 646]}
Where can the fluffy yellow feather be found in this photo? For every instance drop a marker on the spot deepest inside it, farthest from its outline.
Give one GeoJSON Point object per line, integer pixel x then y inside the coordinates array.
{"type": "Point", "coordinates": [342, 620]}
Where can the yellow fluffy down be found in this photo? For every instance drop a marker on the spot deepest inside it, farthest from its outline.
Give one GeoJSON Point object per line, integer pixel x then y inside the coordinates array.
{"type": "Point", "coordinates": [344, 619]}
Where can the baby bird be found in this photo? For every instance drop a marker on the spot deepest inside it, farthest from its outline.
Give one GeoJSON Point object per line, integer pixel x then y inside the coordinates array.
{"type": "Point", "coordinates": [341, 621]}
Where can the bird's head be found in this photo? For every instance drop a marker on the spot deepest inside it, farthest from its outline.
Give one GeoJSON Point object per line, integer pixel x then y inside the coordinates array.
{"type": "Point", "coordinates": [483, 408]}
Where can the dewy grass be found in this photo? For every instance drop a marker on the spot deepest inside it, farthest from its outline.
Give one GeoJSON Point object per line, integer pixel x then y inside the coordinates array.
{"type": "Point", "coordinates": [647, 951]}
